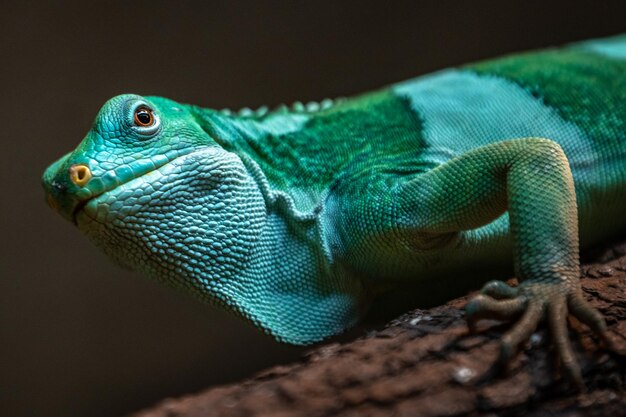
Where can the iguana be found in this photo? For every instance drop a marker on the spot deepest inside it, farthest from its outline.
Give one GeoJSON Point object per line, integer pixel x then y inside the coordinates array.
{"type": "Point", "coordinates": [297, 218]}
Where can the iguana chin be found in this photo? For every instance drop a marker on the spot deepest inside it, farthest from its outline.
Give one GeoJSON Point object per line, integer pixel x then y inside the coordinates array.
{"type": "Point", "coordinates": [297, 217]}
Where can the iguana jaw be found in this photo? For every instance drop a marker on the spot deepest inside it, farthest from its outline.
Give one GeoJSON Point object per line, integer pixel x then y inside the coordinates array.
{"type": "Point", "coordinates": [120, 177]}
{"type": "Point", "coordinates": [68, 194]}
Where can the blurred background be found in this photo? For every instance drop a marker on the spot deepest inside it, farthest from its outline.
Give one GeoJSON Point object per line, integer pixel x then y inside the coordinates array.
{"type": "Point", "coordinates": [78, 335]}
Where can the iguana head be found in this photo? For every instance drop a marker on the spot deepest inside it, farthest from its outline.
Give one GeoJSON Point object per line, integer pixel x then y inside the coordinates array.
{"type": "Point", "coordinates": [158, 194]}
{"type": "Point", "coordinates": [130, 137]}
{"type": "Point", "coordinates": [151, 188]}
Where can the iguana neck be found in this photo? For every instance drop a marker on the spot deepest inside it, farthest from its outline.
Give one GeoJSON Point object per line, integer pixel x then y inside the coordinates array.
{"type": "Point", "coordinates": [259, 141]}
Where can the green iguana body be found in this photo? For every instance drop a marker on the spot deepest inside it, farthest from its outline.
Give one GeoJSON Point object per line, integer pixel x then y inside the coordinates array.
{"type": "Point", "coordinates": [296, 218]}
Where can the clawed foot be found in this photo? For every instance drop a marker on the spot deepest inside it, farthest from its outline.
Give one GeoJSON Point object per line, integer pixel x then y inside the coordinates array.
{"type": "Point", "coordinates": [530, 303]}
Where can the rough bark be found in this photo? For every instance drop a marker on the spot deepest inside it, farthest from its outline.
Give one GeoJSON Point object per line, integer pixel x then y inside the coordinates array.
{"type": "Point", "coordinates": [425, 363]}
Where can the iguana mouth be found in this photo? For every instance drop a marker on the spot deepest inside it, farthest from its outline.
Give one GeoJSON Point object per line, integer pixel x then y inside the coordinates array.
{"type": "Point", "coordinates": [79, 207]}
{"type": "Point", "coordinates": [111, 180]}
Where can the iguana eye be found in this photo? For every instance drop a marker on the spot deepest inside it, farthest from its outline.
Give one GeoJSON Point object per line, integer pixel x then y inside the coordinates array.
{"type": "Point", "coordinates": [144, 117]}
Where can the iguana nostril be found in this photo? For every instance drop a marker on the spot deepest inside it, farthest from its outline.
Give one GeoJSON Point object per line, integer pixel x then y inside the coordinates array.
{"type": "Point", "coordinates": [80, 174]}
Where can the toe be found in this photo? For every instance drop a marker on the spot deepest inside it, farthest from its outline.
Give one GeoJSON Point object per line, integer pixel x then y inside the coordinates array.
{"type": "Point", "coordinates": [499, 290]}
{"type": "Point", "coordinates": [521, 331]}
{"type": "Point", "coordinates": [483, 307]}
{"type": "Point", "coordinates": [557, 318]}
{"type": "Point", "coordinates": [588, 315]}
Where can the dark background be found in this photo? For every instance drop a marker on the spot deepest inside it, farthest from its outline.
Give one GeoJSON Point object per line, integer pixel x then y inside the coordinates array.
{"type": "Point", "coordinates": [79, 336]}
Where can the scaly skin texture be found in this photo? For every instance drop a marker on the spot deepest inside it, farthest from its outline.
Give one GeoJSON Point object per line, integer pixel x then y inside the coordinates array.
{"type": "Point", "coordinates": [297, 218]}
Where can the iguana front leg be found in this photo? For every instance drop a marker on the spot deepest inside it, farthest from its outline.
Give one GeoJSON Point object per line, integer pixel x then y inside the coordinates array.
{"type": "Point", "coordinates": [531, 178]}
